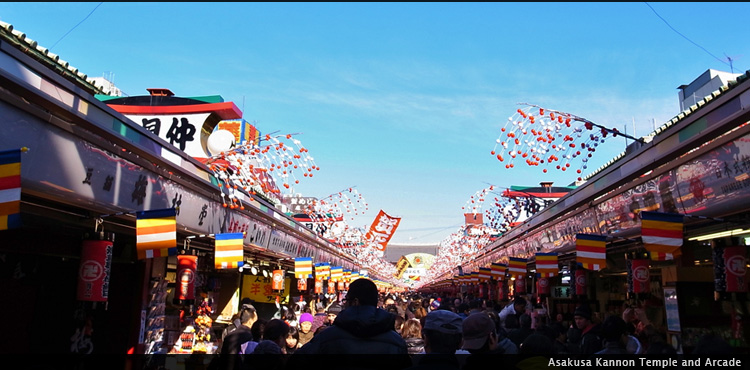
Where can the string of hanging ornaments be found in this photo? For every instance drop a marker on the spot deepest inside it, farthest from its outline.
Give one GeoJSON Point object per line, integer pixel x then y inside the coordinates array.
{"type": "Point", "coordinates": [504, 211]}
{"type": "Point", "coordinates": [258, 168]}
{"type": "Point", "coordinates": [334, 210]}
{"type": "Point", "coordinates": [550, 139]}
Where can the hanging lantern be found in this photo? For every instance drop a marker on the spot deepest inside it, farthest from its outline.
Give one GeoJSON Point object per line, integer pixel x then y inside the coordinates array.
{"type": "Point", "coordinates": [519, 286]}
{"type": "Point", "coordinates": [542, 286]}
{"type": "Point", "coordinates": [301, 284]}
{"type": "Point", "coordinates": [641, 277]}
{"type": "Point", "coordinates": [340, 285]}
{"type": "Point", "coordinates": [277, 280]}
{"type": "Point", "coordinates": [483, 290]}
{"type": "Point", "coordinates": [318, 286]}
{"type": "Point", "coordinates": [735, 268]}
{"type": "Point", "coordinates": [331, 287]}
{"type": "Point", "coordinates": [581, 282]}
{"type": "Point", "coordinates": [94, 271]}
{"type": "Point", "coordinates": [186, 267]}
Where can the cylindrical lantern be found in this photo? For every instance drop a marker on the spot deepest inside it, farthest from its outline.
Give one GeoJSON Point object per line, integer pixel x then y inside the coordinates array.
{"type": "Point", "coordinates": [277, 280]}
{"type": "Point", "coordinates": [186, 266]}
{"type": "Point", "coordinates": [331, 287]}
{"type": "Point", "coordinates": [641, 277]}
{"type": "Point", "coordinates": [302, 284]}
{"type": "Point", "coordinates": [93, 273]}
{"type": "Point", "coordinates": [542, 286]}
{"type": "Point", "coordinates": [340, 285]}
{"type": "Point", "coordinates": [581, 283]}
{"type": "Point", "coordinates": [483, 290]}
{"type": "Point", "coordinates": [519, 287]}
{"type": "Point", "coordinates": [318, 286]}
{"type": "Point", "coordinates": [734, 267]}
{"type": "Point", "coordinates": [502, 289]}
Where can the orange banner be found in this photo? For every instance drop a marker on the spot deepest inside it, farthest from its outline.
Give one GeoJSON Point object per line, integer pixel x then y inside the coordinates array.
{"type": "Point", "coordinates": [381, 231]}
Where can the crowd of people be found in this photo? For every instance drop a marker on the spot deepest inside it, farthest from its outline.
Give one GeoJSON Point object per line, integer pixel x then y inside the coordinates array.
{"type": "Point", "coordinates": [456, 333]}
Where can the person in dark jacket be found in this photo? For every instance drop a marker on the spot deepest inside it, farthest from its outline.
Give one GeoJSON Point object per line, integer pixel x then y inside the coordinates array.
{"type": "Point", "coordinates": [591, 337]}
{"type": "Point", "coordinates": [361, 328]}
{"type": "Point", "coordinates": [614, 331]}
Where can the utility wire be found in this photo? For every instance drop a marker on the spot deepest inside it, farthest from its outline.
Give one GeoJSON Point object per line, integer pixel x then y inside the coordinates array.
{"type": "Point", "coordinates": [685, 37]}
{"type": "Point", "coordinates": [74, 27]}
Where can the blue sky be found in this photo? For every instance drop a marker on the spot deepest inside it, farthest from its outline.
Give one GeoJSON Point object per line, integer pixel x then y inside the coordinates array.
{"type": "Point", "coordinates": [404, 100]}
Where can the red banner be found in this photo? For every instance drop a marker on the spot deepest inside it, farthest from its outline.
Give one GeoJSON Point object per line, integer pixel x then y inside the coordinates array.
{"type": "Point", "coordinates": [735, 268]}
{"type": "Point", "coordinates": [277, 280]}
{"type": "Point", "coordinates": [186, 266]}
{"type": "Point", "coordinates": [641, 276]}
{"type": "Point", "coordinates": [542, 286]}
{"type": "Point", "coordinates": [93, 274]}
{"type": "Point", "coordinates": [581, 283]}
{"type": "Point", "coordinates": [519, 286]}
{"type": "Point", "coordinates": [381, 231]}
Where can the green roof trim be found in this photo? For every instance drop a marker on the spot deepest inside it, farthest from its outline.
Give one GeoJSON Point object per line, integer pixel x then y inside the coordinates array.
{"type": "Point", "coordinates": [210, 99]}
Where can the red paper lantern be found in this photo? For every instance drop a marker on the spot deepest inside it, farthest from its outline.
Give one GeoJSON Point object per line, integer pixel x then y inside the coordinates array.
{"type": "Point", "coordinates": [318, 286]}
{"type": "Point", "coordinates": [302, 284]}
{"type": "Point", "coordinates": [542, 286]}
{"type": "Point", "coordinates": [340, 285]}
{"type": "Point", "coordinates": [520, 286]}
{"type": "Point", "coordinates": [94, 271]}
{"type": "Point", "coordinates": [277, 280]}
{"type": "Point", "coordinates": [186, 266]}
{"type": "Point", "coordinates": [641, 276]}
{"type": "Point", "coordinates": [331, 287]}
{"type": "Point", "coordinates": [581, 282]}
{"type": "Point", "coordinates": [735, 269]}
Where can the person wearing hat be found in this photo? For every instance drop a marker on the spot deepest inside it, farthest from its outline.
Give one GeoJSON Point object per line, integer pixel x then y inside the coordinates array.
{"type": "Point", "coordinates": [320, 318]}
{"type": "Point", "coordinates": [443, 335]}
{"type": "Point", "coordinates": [333, 310]}
{"type": "Point", "coordinates": [481, 337]}
{"type": "Point", "coordinates": [591, 337]}
{"type": "Point", "coordinates": [305, 328]}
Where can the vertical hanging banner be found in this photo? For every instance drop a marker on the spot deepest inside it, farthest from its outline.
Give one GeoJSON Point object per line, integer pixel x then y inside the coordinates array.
{"type": "Point", "coordinates": [381, 231]}
{"type": "Point", "coordinates": [591, 251]}
{"type": "Point", "coordinates": [641, 276]}
{"type": "Point", "coordinates": [156, 233]}
{"type": "Point", "coordinates": [229, 252]}
{"type": "Point", "coordinates": [735, 269]}
{"type": "Point", "coordinates": [186, 269]}
{"type": "Point", "coordinates": [10, 189]}
{"type": "Point", "coordinates": [303, 267]}
{"type": "Point", "coordinates": [93, 274]}
{"type": "Point", "coordinates": [662, 234]}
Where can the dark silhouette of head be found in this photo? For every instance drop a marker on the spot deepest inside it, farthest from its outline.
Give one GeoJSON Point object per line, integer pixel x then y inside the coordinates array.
{"type": "Point", "coordinates": [362, 291]}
